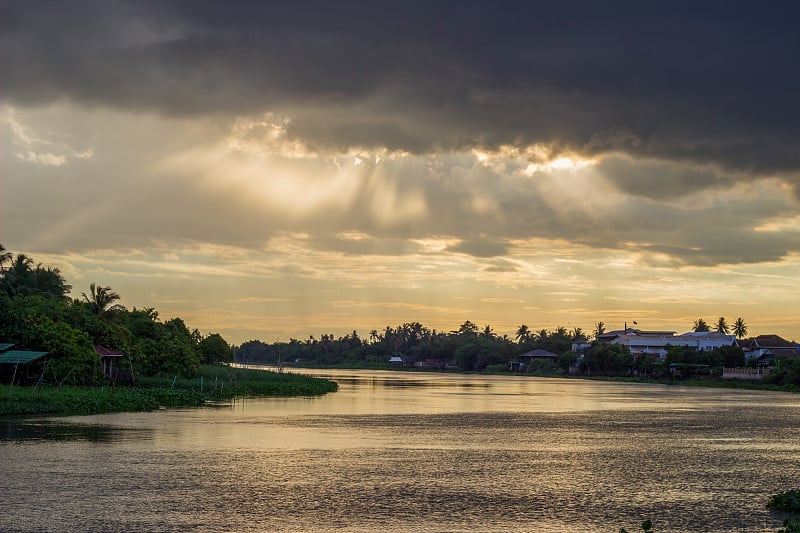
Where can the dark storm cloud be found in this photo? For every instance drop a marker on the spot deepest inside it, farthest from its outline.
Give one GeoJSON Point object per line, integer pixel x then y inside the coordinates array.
{"type": "Point", "coordinates": [480, 247]}
{"type": "Point", "coordinates": [710, 82]}
{"type": "Point", "coordinates": [658, 179]}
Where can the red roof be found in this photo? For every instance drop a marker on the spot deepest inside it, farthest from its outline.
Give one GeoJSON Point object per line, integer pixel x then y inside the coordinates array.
{"type": "Point", "coordinates": [102, 351]}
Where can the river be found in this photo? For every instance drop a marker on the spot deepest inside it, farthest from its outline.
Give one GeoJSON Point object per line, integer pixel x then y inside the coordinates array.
{"type": "Point", "coordinates": [399, 451]}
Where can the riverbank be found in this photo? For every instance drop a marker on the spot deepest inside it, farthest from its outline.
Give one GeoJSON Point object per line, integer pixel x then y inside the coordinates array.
{"type": "Point", "coordinates": [717, 383]}
{"type": "Point", "coordinates": [213, 384]}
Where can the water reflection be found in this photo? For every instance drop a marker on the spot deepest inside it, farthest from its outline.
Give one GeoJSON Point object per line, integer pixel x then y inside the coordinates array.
{"type": "Point", "coordinates": [19, 430]}
{"type": "Point", "coordinates": [420, 452]}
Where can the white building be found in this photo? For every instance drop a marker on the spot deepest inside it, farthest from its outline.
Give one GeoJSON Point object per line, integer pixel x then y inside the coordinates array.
{"type": "Point", "coordinates": [654, 343]}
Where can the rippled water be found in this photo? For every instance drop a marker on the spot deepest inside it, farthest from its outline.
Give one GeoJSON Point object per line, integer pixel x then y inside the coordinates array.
{"type": "Point", "coordinates": [414, 452]}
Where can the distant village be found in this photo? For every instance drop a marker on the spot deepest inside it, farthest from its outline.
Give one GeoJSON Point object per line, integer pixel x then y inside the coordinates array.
{"type": "Point", "coordinates": [650, 354]}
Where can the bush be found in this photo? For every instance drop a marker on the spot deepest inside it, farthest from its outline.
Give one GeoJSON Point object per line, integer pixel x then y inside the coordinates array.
{"type": "Point", "coordinates": [787, 501]}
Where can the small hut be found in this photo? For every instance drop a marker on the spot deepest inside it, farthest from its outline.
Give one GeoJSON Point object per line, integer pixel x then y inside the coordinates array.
{"type": "Point", "coordinates": [107, 358]}
{"type": "Point", "coordinates": [11, 360]}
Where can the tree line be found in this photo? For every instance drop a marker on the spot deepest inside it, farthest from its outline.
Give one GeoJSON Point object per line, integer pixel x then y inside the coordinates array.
{"type": "Point", "coordinates": [37, 313]}
{"type": "Point", "coordinates": [473, 348]}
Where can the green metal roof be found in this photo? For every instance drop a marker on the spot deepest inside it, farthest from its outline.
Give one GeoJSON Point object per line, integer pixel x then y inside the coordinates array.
{"type": "Point", "coordinates": [5, 346]}
{"type": "Point", "coordinates": [12, 357]}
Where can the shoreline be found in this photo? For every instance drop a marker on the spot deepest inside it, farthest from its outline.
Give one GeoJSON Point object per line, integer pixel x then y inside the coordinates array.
{"type": "Point", "coordinates": [710, 383]}
{"type": "Point", "coordinates": [213, 384]}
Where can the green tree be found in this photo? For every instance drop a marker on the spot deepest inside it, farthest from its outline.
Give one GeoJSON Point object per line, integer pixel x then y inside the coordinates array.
{"type": "Point", "coordinates": [700, 325]}
{"type": "Point", "coordinates": [722, 326]}
{"type": "Point", "coordinates": [599, 329]}
{"type": "Point", "coordinates": [567, 359]}
{"type": "Point", "coordinates": [523, 334]}
{"type": "Point", "coordinates": [22, 278]}
{"type": "Point", "coordinates": [101, 300]}
{"type": "Point", "coordinates": [39, 323]}
{"type": "Point", "coordinates": [578, 335]}
{"type": "Point", "coordinates": [731, 356]}
{"type": "Point", "coordinates": [606, 359]}
{"type": "Point", "coordinates": [468, 328]}
{"type": "Point", "coordinates": [18, 277]}
{"type": "Point", "coordinates": [214, 349]}
{"type": "Point", "coordinates": [472, 354]}
{"type": "Point", "coordinates": [740, 328]}
{"type": "Point", "coordinates": [5, 257]}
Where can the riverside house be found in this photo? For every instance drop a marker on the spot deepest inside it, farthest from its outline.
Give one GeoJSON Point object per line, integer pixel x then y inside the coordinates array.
{"type": "Point", "coordinates": [765, 349]}
{"type": "Point", "coordinates": [654, 343]}
{"type": "Point", "coordinates": [15, 365]}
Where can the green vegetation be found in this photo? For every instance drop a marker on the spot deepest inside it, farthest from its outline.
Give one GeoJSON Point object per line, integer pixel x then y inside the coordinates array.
{"type": "Point", "coordinates": [213, 383]}
{"type": "Point", "coordinates": [647, 527]}
{"type": "Point", "coordinates": [162, 359]}
{"type": "Point", "coordinates": [37, 314]}
{"type": "Point", "coordinates": [471, 349]}
{"type": "Point", "coordinates": [787, 501]}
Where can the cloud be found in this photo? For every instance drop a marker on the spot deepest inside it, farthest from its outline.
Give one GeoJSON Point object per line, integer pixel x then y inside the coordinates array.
{"type": "Point", "coordinates": [710, 84]}
{"type": "Point", "coordinates": [480, 247]}
{"type": "Point", "coordinates": [661, 179]}
{"type": "Point", "coordinates": [190, 184]}
{"type": "Point", "coordinates": [32, 147]}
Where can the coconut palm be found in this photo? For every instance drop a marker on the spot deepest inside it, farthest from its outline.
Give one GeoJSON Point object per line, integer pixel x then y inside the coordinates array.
{"type": "Point", "coordinates": [22, 278]}
{"type": "Point", "coordinates": [5, 257]}
{"type": "Point", "coordinates": [740, 328]}
{"type": "Point", "coordinates": [722, 326]}
{"type": "Point", "coordinates": [101, 300]}
{"type": "Point", "coordinates": [599, 328]}
{"type": "Point", "coordinates": [18, 278]}
{"type": "Point", "coordinates": [523, 334]}
{"type": "Point", "coordinates": [700, 325]}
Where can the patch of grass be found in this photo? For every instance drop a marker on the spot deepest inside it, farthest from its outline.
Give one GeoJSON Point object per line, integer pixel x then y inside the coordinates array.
{"type": "Point", "coordinates": [787, 501]}
{"type": "Point", "coordinates": [215, 383]}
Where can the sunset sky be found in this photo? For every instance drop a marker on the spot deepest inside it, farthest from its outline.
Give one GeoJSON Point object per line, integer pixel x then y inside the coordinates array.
{"type": "Point", "coordinates": [276, 170]}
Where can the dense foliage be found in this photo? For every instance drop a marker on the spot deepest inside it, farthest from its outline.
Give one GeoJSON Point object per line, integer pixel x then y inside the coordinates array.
{"type": "Point", "coordinates": [468, 348]}
{"type": "Point", "coordinates": [214, 383]}
{"type": "Point", "coordinates": [37, 314]}
{"type": "Point", "coordinates": [787, 501]}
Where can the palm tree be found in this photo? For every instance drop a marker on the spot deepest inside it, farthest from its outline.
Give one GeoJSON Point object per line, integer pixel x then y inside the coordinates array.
{"type": "Point", "coordinates": [599, 328]}
{"type": "Point", "coordinates": [487, 332]}
{"type": "Point", "coordinates": [740, 328]}
{"type": "Point", "coordinates": [700, 325]}
{"type": "Point", "coordinates": [101, 300]}
{"type": "Point", "coordinates": [722, 326]}
{"type": "Point", "coordinates": [18, 279]}
{"type": "Point", "coordinates": [523, 334]}
{"type": "Point", "coordinates": [578, 335]}
{"type": "Point", "coordinates": [5, 257]}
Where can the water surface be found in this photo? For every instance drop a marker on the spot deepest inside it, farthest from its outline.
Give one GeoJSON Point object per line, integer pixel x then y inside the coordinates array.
{"type": "Point", "coordinates": [395, 451]}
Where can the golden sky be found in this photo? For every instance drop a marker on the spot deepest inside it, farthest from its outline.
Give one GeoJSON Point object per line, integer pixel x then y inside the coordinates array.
{"type": "Point", "coordinates": [338, 173]}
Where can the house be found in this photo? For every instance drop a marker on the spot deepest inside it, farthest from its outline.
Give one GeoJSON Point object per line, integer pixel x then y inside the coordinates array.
{"type": "Point", "coordinates": [396, 361]}
{"type": "Point", "coordinates": [654, 343]}
{"type": "Point", "coordinates": [526, 359]}
{"type": "Point", "coordinates": [107, 358]}
{"type": "Point", "coordinates": [438, 363]}
{"type": "Point", "coordinates": [765, 349]}
{"type": "Point", "coordinates": [11, 360]}
{"type": "Point", "coordinates": [538, 355]}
